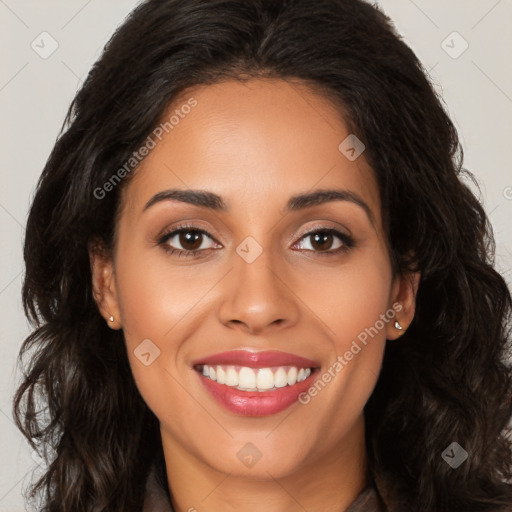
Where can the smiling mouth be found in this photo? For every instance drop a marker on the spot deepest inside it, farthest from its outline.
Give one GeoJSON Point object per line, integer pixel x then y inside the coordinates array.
{"type": "Point", "coordinates": [251, 383]}
{"type": "Point", "coordinates": [245, 378]}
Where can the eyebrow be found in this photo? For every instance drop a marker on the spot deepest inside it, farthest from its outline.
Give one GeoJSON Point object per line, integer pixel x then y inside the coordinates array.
{"type": "Point", "coordinates": [212, 201]}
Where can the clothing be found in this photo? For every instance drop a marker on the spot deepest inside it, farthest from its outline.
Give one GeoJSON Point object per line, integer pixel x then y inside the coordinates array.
{"type": "Point", "coordinates": [158, 501]}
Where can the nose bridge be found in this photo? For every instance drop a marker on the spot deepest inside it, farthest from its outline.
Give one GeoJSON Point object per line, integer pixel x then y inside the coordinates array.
{"type": "Point", "coordinates": [256, 295]}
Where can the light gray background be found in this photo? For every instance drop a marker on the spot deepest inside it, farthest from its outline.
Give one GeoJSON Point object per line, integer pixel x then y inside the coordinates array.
{"type": "Point", "coordinates": [35, 94]}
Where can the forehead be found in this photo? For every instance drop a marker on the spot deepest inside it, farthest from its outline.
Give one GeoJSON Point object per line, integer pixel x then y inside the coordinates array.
{"type": "Point", "coordinates": [261, 140]}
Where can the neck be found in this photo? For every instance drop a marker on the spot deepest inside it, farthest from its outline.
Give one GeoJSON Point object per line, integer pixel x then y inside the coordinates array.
{"type": "Point", "coordinates": [325, 481]}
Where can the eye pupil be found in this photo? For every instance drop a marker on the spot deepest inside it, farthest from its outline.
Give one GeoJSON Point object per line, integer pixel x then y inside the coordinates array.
{"type": "Point", "coordinates": [322, 239]}
{"type": "Point", "coordinates": [190, 237]}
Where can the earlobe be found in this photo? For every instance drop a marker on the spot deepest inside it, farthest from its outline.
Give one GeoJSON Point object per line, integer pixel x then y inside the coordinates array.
{"type": "Point", "coordinates": [404, 293]}
{"type": "Point", "coordinates": [104, 285]}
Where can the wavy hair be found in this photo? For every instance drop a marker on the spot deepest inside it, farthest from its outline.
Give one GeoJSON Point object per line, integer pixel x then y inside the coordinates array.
{"type": "Point", "coordinates": [447, 379]}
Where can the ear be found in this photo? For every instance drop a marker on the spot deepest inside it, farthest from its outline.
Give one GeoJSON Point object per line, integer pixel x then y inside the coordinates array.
{"type": "Point", "coordinates": [403, 299]}
{"type": "Point", "coordinates": [104, 285]}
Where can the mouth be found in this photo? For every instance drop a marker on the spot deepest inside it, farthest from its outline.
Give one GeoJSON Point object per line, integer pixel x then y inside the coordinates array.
{"type": "Point", "coordinates": [244, 378]}
{"type": "Point", "coordinates": [255, 383]}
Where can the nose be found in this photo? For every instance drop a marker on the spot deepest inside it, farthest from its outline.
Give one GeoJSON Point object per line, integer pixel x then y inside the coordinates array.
{"type": "Point", "coordinates": [257, 296]}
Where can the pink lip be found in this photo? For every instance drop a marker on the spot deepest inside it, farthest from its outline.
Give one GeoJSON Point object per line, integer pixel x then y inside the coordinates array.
{"type": "Point", "coordinates": [256, 403]}
{"type": "Point", "coordinates": [257, 359]}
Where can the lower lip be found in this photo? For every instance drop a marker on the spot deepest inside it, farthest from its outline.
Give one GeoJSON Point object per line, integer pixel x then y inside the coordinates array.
{"type": "Point", "coordinates": [255, 403]}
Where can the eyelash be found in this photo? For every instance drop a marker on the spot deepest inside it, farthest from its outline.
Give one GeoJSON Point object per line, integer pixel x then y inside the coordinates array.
{"type": "Point", "coordinates": [347, 241]}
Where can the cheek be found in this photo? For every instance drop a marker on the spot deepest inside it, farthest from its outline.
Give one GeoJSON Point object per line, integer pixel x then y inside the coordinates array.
{"type": "Point", "coordinates": [350, 299]}
{"type": "Point", "coordinates": [352, 304]}
{"type": "Point", "coordinates": [154, 297]}
{"type": "Point", "coordinates": [153, 305]}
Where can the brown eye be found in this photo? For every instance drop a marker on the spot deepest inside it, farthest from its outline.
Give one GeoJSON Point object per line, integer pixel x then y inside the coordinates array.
{"type": "Point", "coordinates": [327, 241]}
{"type": "Point", "coordinates": [186, 241]}
{"type": "Point", "coordinates": [321, 240]}
{"type": "Point", "coordinates": [190, 240]}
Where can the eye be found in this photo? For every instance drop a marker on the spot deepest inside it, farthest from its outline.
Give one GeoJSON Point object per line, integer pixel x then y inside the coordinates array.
{"type": "Point", "coordinates": [186, 241]}
{"type": "Point", "coordinates": [326, 241]}
{"type": "Point", "coordinates": [191, 241]}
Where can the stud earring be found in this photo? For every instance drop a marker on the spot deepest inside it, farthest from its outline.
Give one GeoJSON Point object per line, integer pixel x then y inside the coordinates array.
{"type": "Point", "coordinates": [398, 326]}
{"type": "Point", "coordinates": [111, 319]}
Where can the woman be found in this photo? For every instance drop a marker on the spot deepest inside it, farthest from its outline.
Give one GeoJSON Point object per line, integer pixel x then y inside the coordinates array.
{"type": "Point", "coordinates": [257, 279]}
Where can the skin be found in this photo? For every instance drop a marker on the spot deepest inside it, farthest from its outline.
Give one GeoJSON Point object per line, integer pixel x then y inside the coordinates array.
{"type": "Point", "coordinates": [256, 144]}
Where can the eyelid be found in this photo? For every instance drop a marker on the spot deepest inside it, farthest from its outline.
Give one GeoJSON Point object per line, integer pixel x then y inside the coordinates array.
{"type": "Point", "coordinates": [347, 241]}
{"type": "Point", "coordinates": [323, 227]}
{"type": "Point", "coordinates": [166, 234]}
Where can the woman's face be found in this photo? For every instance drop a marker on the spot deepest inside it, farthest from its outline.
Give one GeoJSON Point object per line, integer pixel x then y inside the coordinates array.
{"type": "Point", "coordinates": [279, 281]}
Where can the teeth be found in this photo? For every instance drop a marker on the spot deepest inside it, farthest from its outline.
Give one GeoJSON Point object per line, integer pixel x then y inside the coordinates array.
{"type": "Point", "coordinates": [292, 376]}
{"type": "Point", "coordinates": [265, 379]}
{"type": "Point", "coordinates": [221, 375]}
{"type": "Point", "coordinates": [246, 378]}
{"type": "Point", "coordinates": [231, 377]}
{"type": "Point", "coordinates": [254, 379]}
{"type": "Point", "coordinates": [280, 378]}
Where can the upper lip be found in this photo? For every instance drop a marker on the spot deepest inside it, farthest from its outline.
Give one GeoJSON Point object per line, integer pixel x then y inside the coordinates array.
{"type": "Point", "coordinates": [262, 359]}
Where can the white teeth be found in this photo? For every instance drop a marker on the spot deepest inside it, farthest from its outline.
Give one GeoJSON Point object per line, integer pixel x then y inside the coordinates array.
{"type": "Point", "coordinates": [265, 379]}
{"type": "Point", "coordinates": [246, 378]}
{"type": "Point", "coordinates": [292, 376]}
{"type": "Point", "coordinates": [304, 373]}
{"type": "Point", "coordinates": [280, 378]}
{"type": "Point", "coordinates": [231, 377]}
{"type": "Point", "coordinates": [256, 379]}
{"type": "Point", "coordinates": [221, 375]}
